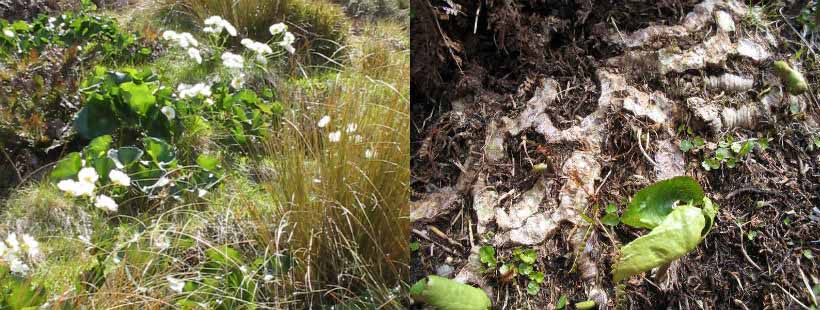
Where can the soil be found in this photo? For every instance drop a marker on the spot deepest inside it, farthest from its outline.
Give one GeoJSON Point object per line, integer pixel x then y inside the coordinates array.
{"type": "Point", "coordinates": [474, 69]}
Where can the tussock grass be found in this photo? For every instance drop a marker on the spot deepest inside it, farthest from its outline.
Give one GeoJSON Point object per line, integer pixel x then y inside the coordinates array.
{"type": "Point", "coordinates": [349, 210]}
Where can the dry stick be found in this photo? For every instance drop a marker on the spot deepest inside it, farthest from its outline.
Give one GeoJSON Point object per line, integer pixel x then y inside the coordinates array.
{"type": "Point", "coordinates": [640, 136]}
{"type": "Point", "coordinates": [792, 297]}
{"type": "Point", "coordinates": [743, 250]}
{"type": "Point", "coordinates": [444, 37]}
{"type": "Point", "coordinates": [806, 283]}
{"type": "Point", "coordinates": [424, 236]}
{"type": "Point", "coordinates": [11, 162]}
{"type": "Point", "coordinates": [441, 234]}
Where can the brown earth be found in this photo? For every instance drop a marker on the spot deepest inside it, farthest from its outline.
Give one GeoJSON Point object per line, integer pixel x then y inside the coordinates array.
{"type": "Point", "coordinates": [478, 74]}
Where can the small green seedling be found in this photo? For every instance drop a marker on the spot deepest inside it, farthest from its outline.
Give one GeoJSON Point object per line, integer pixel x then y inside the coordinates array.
{"type": "Point", "coordinates": [487, 256]}
{"type": "Point", "coordinates": [611, 218]}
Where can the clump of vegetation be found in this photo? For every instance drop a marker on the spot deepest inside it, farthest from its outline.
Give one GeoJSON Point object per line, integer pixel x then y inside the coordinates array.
{"type": "Point", "coordinates": [209, 177]}
{"type": "Point", "coordinates": [320, 25]}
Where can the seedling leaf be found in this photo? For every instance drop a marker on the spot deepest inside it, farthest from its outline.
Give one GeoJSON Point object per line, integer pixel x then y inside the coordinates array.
{"type": "Point", "coordinates": [679, 233]}
{"type": "Point", "coordinates": [446, 294]}
{"type": "Point", "coordinates": [652, 204]}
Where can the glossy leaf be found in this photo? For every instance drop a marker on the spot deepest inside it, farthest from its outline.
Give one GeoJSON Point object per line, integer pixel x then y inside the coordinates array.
{"type": "Point", "coordinates": [67, 168]}
{"type": "Point", "coordinates": [159, 150]}
{"type": "Point", "coordinates": [125, 156]}
{"type": "Point", "coordinates": [651, 205]}
{"type": "Point", "coordinates": [96, 118]}
{"type": "Point", "coordinates": [139, 97]}
{"type": "Point", "coordinates": [679, 233]}
{"type": "Point", "coordinates": [446, 294]}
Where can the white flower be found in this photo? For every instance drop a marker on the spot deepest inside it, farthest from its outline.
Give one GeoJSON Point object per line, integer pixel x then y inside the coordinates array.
{"type": "Point", "coordinates": [16, 265]}
{"type": "Point", "coordinates": [288, 39]}
{"type": "Point", "coordinates": [106, 203]}
{"type": "Point", "coordinates": [351, 128]}
{"type": "Point", "coordinates": [31, 246]}
{"type": "Point", "coordinates": [278, 28]}
{"type": "Point", "coordinates": [209, 101]}
{"type": "Point", "coordinates": [261, 59]}
{"type": "Point", "coordinates": [358, 138]}
{"type": "Point", "coordinates": [14, 244]}
{"type": "Point", "coordinates": [323, 121]}
{"type": "Point", "coordinates": [201, 193]}
{"type": "Point", "coordinates": [75, 188]}
{"type": "Point", "coordinates": [161, 241]}
{"type": "Point", "coordinates": [175, 284]}
{"type": "Point", "coordinates": [169, 112]}
{"type": "Point", "coordinates": [119, 178]}
{"type": "Point", "coordinates": [287, 42]}
{"type": "Point", "coordinates": [215, 24]}
{"type": "Point", "coordinates": [190, 91]}
{"type": "Point", "coordinates": [184, 39]}
{"type": "Point", "coordinates": [335, 136]}
{"type": "Point", "coordinates": [238, 81]}
{"type": "Point", "coordinates": [195, 55]}
{"type": "Point", "coordinates": [256, 47]}
{"type": "Point", "coordinates": [232, 60]}
{"type": "Point", "coordinates": [368, 153]}
{"type": "Point", "coordinates": [267, 278]}
{"type": "Point", "coordinates": [88, 175]}
{"type": "Point", "coordinates": [8, 33]}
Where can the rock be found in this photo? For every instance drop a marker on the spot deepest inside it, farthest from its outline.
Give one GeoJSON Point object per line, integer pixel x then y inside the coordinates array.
{"type": "Point", "coordinates": [750, 49]}
{"type": "Point", "coordinates": [433, 205]}
{"type": "Point", "coordinates": [713, 51]}
{"type": "Point", "coordinates": [534, 114]}
{"type": "Point", "coordinates": [669, 159]}
{"type": "Point", "coordinates": [484, 201]}
{"type": "Point", "coordinates": [724, 21]}
{"type": "Point", "coordinates": [444, 270]}
{"type": "Point", "coordinates": [494, 143]}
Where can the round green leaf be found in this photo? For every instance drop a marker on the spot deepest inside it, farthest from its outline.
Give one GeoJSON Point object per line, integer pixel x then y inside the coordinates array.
{"type": "Point", "coordinates": [67, 168]}
{"type": "Point", "coordinates": [676, 235]}
{"type": "Point", "coordinates": [652, 204]}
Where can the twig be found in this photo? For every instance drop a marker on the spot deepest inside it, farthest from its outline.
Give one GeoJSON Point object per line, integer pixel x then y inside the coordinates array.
{"type": "Point", "coordinates": [799, 35]}
{"type": "Point", "coordinates": [444, 236]}
{"type": "Point", "coordinates": [753, 190]}
{"type": "Point", "coordinates": [11, 162]}
{"type": "Point", "coordinates": [792, 297]}
{"type": "Point", "coordinates": [424, 236]}
{"type": "Point", "coordinates": [743, 250]}
{"type": "Point", "coordinates": [640, 145]}
{"type": "Point", "coordinates": [444, 37]}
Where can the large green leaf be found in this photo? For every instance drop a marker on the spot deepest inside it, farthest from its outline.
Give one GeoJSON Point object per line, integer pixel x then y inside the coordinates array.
{"type": "Point", "coordinates": [96, 118]}
{"type": "Point", "coordinates": [99, 146]}
{"type": "Point", "coordinates": [652, 204]}
{"type": "Point", "coordinates": [208, 162]}
{"type": "Point", "coordinates": [139, 97]}
{"type": "Point", "coordinates": [125, 156]}
{"type": "Point", "coordinates": [67, 168]}
{"type": "Point", "coordinates": [676, 235]}
{"type": "Point", "coordinates": [159, 150]}
{"type": "Point", "coordinates": [446, 294]}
